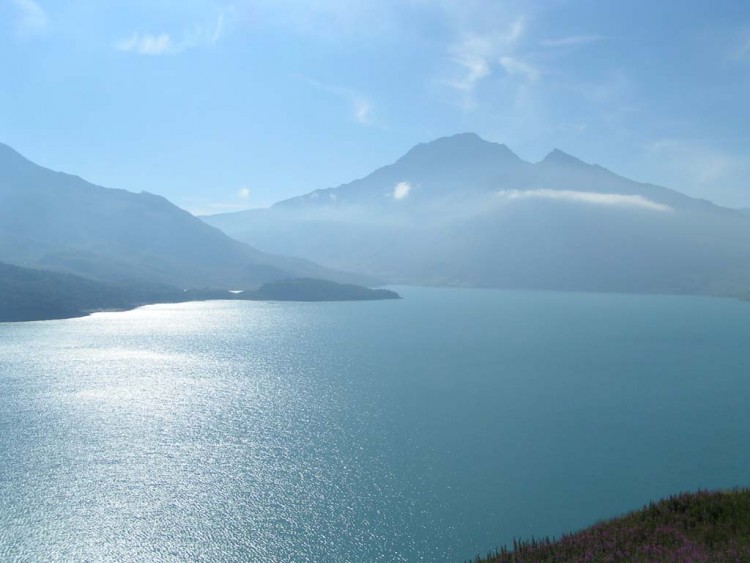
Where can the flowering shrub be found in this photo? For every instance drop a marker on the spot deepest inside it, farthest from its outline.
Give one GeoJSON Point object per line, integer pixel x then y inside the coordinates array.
{"type": "Point", "coordinates": [697, 527]}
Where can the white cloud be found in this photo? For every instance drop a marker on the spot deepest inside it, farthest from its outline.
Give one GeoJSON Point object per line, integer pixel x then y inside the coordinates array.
{"type": "Point", "coordinates": [360, 106]}
{"type": "Point", "coordinates": [515, 67]}
{"type": "Point", "coordinates": [473, 56]}
{"type": "Point", "coordinates": [401, 190]}
{"type": "Point", "coordinates": [571, 41]}
{"type": "Point", "coordinates": [218, 28]}
{"type": "Point", "coordinates": [362, 111]}
{"type": "Point", "coordinates": [32, 15]}
{"type": "Point", "coordinates": [147, 44]}
{"type": "Point", "coordinates": [620, 200]}
{"type": "Point", "coordinates": [243, 193]}
{"type": "Point", "coordinates": [164, 44]}
{"type": "Point", "coordinates": [477, 52]}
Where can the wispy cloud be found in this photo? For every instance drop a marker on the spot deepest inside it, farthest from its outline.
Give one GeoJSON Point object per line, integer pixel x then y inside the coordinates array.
{"type": "Point", "coordinates": [595, 198]}
{"type": "Point", "coordinates": [32, 17]}
{"type": "Point", "coordinates": [147, 44]}
{"type": "Point", "coordinates": [515, 67]}
{"type": "Point", "coordinates": [704, 165]}
{"type": "Point", "coordinates": [240, 202]}
{"type": "Point", "coordinates": [477, 53]}
{"type": "Point", "coordinates": [712, 168]}
{"type": "Point", "coordinates": [361, 106]}
{"type": "Point", "coordinates": [473, 55]}
{"type": "Point", "coordinates": [571, 40]}
{"type": "Point", "coordinates": [154, 44]}
{"type": "Point", "coordinates": [362, 110]}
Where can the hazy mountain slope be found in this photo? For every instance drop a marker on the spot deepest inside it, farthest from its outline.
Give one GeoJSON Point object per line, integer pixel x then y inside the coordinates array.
{"type": "Point", "coordinates": [460, 164]}
{"type": "Point", "coordinates": [463, 211]}
{"type": "Point", "coordinates": [61, 222]}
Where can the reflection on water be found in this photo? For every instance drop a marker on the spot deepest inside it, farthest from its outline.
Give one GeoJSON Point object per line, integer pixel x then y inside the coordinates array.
{"type": "Point", "coordinates": [427, 429]}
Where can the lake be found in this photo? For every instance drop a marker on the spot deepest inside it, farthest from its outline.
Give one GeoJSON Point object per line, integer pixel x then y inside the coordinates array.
{"type": "Point", "coordinates": [428, 429]}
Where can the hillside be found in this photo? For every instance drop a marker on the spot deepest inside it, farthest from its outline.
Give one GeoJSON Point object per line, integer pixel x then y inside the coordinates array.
{"type": "Point", "coordinates": [60, 222]}
{"type": "Point", "coordinates": [30, 295]}
{"type": "Point", "coordinates": [34, 295]}
{"type": "Point", "coordinates": [306, 289]}
{"type": "Point", "coordinates": [705, 526]}
{"type": "Point", "coordinates": [462, 211]}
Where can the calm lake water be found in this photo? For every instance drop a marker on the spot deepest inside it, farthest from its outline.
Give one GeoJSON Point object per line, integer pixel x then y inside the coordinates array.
{"type": "Point", "coordinates": [428, 429]}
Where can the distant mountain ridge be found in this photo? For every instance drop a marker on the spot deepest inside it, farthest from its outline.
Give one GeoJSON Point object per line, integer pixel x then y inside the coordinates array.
{"type": "Point", "coordinates": [466, 163]}
{"type": "Point", "coordinates": [60, 222]}
{"type": "Point", "coordinates": [467, 212]}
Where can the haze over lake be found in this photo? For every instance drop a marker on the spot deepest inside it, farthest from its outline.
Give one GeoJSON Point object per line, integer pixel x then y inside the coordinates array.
{"type": "Point", "coordinates": [426, 429]}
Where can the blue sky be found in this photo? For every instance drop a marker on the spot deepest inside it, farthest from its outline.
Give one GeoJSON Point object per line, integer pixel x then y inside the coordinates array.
{"type": "Point", "coordinates": [226, 105]}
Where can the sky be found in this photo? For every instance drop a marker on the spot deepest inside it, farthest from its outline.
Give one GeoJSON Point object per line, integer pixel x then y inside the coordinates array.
{"type": "Point", "coordinates": [226, 105]}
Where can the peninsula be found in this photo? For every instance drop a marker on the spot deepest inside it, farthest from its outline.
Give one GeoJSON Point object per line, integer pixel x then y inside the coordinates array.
{"type": "Point", "coordinates": [32, 295]}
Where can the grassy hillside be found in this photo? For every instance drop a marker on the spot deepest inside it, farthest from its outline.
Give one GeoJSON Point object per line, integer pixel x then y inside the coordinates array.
{"type": "Point", "coordinates": [703, 526]}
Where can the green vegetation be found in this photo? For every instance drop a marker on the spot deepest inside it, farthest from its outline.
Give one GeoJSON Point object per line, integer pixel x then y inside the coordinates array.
{"type": "Point", "coordinates": [698, 527]}
{"type": "Point", "coordinates": [28, 295]}
{"type": "Point", "coordinates": [308, 289]}
{"type": "Point", "coordinates": [31, 295]}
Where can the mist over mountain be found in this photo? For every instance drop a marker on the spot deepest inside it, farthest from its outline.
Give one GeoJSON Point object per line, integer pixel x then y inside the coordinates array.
{"type": "Point", "coordinates": [462, 211]}
{"type": "Point", "coordinates": [60, 222]}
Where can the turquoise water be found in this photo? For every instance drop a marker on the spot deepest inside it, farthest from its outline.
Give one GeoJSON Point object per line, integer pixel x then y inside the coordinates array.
{"type": "Point", "coordinates": [428, 429]}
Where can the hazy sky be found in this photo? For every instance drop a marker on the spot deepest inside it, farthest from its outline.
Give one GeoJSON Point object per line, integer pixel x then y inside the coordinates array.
{"type": "Point", "coordinates": [221, 105]}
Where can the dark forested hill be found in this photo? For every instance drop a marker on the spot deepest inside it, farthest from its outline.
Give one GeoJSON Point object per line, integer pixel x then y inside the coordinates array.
{"type": "Point", "coordinates": [27, 295]}
{"type": "Point", "coordinates": [31, 295]}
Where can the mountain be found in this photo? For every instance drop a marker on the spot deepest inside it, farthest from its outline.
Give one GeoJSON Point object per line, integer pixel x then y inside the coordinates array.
{"type": "Point", "coordinates": [59, 222]}
{"type": "Point", "coordinates": [463, 211]}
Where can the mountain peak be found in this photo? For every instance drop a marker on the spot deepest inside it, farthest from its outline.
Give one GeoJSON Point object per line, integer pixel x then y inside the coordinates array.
{"type": "Point", "coordinates": [467, 139]}
{"type": "Point", "coordinates": [559, 157]}
{"type": "Point", "coordinates": [468, 136]}
{"type": "Point", "coordinates": [461, 145]}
